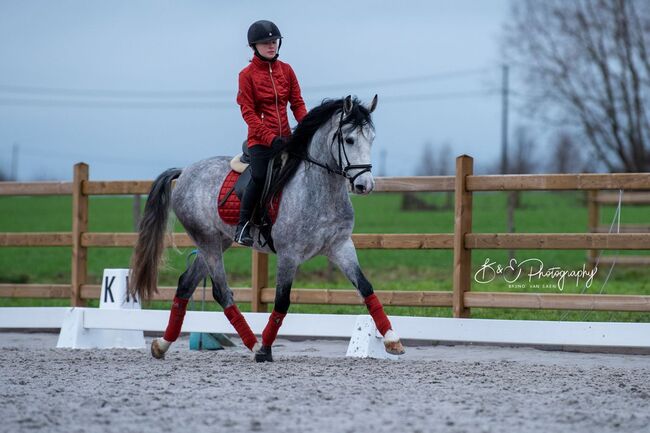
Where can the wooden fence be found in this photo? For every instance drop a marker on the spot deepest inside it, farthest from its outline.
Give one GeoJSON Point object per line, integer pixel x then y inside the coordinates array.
{"type": "Point", "coordinates": [462, 242]}
{"type": "Point", "coordinates": [598, 199]}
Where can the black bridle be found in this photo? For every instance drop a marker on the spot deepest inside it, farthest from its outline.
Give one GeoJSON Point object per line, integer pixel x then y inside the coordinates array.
{"type": "Point", "coordinates": [339, 169]}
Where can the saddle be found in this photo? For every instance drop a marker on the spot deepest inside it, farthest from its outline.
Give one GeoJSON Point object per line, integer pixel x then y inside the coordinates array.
{"type": "Point", "coordinates": [234, 186]}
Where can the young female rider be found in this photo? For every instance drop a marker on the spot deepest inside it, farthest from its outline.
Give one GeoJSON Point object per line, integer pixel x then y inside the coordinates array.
{"type": "Point", "coordinates": [266, 85]}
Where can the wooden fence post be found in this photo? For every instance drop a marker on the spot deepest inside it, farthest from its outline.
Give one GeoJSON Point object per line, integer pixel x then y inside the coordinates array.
{"type": "Point", "coordinates": [260, 279]}
{"type": "Point", "coordinates": [594, 219]}
{"type": "Point", "coordinates": [79, 227]}
{"type": "Point", "coordinates": [462, 226]}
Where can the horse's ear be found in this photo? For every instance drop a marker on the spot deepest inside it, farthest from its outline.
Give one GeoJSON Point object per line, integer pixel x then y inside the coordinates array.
{"type": "Point", "coordinates": [347, 104]}
{"type": "Point", "coordinates": [373, 104]}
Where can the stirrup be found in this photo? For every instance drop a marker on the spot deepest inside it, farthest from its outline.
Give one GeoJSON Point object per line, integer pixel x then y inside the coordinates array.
{"type": "Point", "coordinates": [243, 235]}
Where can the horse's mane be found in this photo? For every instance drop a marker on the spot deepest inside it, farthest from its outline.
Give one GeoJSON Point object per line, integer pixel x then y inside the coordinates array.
{"type": "Point", "coordinates": [298, 146]}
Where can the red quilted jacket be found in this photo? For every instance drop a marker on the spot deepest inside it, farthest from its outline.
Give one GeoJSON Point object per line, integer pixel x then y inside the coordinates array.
{"type": "Point", "coordinates": [265, 88]}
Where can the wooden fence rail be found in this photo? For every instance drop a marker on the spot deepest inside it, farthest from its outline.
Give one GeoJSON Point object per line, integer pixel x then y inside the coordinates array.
{"type": "Point", "coordinates": [462, 241]}
{"type": "Point", "coordinates": [595, 200]}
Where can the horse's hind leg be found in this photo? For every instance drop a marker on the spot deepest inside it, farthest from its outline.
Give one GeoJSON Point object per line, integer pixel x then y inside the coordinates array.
{"type": "Point", "coordinates": [186, 285]}
{"type": "Point", "coordinates": [209, 261]}
{"type": "Point", "coordinates": [345, 257]}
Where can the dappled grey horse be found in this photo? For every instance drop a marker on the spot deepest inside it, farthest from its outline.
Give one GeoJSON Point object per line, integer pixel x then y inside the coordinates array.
{"type": "Point", "coordinates": [329, 149]}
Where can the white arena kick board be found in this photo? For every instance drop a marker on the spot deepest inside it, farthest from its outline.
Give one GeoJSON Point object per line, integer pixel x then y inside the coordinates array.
{"type": "Point", "coordinates": [333, 325]}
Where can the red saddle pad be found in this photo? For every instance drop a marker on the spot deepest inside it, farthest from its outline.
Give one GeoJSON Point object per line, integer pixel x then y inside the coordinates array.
{"type": "Point", "coordinates": [229, 211]}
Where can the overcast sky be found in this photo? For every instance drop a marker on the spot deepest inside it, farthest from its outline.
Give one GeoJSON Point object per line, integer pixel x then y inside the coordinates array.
{"type": "Point", "coordinates": [135, 87]}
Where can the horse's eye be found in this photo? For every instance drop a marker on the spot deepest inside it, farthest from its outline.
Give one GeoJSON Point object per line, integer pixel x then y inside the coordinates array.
{"type": "Point", "coordinates": [349, 140]}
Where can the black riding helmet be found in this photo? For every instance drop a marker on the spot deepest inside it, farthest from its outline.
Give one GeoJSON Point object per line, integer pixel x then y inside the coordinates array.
{"type": "Point", "coordinates": [263, 31]}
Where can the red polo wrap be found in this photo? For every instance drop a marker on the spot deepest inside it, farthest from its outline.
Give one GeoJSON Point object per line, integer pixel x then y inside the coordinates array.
{"type": "Point", "coordinates": [376, 310]}
{"type": "Point", "coordinates": [238, 322]}
{"type": "Point", "coordinates": [272, 328]}
{"type": "Point", "coordinates": [176, 316]}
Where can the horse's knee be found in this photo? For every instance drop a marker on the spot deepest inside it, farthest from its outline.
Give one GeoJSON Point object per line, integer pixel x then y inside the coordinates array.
{"type": "Point", "coordinates": [363, 285]}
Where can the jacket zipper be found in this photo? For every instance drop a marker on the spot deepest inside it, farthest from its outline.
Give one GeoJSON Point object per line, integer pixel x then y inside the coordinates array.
{"type": "Point", "coordinates": [277, 109]}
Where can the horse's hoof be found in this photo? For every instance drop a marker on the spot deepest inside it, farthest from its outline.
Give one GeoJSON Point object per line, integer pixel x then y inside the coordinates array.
{"type": "Point", "coordinates": [157, 351]}
{"type": "Point", "coordinates": [263, 354]}
{"type": "Point", "coordinates": [394, 347]}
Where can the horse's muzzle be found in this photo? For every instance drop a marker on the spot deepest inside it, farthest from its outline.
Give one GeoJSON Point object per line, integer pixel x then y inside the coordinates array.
{"type": "Point", "coordinates": [363, 184]}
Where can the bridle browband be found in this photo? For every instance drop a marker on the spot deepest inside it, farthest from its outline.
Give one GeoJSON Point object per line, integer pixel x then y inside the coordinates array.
{"type": "Point", "coordinates": [339, 169]}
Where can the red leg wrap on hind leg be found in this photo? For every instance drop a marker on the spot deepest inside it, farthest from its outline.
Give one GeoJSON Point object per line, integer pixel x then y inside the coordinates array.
{"type": "Point", "coordinates": [238, 322]}
{"type": "Point", "coordinates": [376, 310]}
{"type": "Point", "coordinates": [272, 328]}
{"type": "Point", "coordinates": [176, 316]}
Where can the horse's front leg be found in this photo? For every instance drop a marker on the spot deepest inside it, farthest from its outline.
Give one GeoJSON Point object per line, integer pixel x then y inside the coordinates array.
{"type": "Point", "coordinates": [285, 273]}
{"type": "Point", "coordinates": [345, 257]}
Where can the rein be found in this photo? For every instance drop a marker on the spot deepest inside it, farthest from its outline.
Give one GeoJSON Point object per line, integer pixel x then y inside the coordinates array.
{"type": "Point", "coordinates": [339, 169]}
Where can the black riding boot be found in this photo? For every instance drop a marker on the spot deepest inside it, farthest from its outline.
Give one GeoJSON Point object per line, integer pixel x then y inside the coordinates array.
{"type": "Point", "coordinates": [243, 232]}
{"type": "Point", "coordinates": [260, 156]}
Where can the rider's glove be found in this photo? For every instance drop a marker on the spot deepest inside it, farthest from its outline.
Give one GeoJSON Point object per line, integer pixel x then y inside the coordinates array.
{"type": "Point", "coordinates": [279, 143]}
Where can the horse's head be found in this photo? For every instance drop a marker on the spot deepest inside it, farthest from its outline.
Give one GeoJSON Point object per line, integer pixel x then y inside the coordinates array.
{"type": "Point", "coordinates": [337, 136]}
{"type": "Point", "coordinates": [352, 143]}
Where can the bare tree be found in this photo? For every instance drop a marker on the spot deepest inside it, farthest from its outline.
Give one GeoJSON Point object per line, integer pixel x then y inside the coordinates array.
{"type": "Point", "coordinates": [587, 64]}
{"type": "Point", "coordinates": [562, 157]}
{"type": "Point", "coordinates": [444, 168]}
{"type": "Point", "coordinates": [566, 156]}
{"type": "Point", "coordinates": [430, 166]}
{"type": "Point", "coordinates": [427, 165]}
{"type": "Point", "coordinates": [4, 176]}
{"type": "Point", "coordinates": [524, 161]}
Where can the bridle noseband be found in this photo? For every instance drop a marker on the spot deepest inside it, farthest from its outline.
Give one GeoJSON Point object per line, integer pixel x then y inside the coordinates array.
{"type": "Point", "coordinates": [339, 169]}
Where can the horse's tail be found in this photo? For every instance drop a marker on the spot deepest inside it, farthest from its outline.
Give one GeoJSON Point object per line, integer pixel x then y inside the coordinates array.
{"type": "Point", "coordinates": [150, 245]}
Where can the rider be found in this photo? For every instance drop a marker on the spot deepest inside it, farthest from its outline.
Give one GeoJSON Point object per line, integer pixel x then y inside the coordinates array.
{"type": "Point", "coordinates": [266, 85]}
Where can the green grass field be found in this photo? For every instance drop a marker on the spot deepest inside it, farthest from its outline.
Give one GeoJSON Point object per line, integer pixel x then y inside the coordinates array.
{"type": "Point", "coordinates": [386, 269]}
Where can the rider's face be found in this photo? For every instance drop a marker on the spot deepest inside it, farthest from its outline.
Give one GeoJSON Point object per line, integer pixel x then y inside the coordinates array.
{"type": "Point", "coordinates": [268, 49]}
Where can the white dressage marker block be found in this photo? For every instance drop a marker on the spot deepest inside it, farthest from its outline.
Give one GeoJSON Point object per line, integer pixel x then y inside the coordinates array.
{"type": "Point", "coordinates": [113, 296]}
{"type": "Point", "coordinates": [74, 335]}
{"type": "Point", "coordinates": [366, 341]}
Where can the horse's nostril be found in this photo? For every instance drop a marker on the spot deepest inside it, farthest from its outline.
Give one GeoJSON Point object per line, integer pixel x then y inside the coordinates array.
{"type": "Point", "coordinates": [360, 188]}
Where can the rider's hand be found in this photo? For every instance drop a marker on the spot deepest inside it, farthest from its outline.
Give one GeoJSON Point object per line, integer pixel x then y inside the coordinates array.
{"type": "Point", "coordinates": [279, 143]}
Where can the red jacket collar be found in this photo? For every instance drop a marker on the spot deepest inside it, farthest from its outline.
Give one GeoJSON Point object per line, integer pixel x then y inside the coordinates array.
{"type": "Point", "coordinates": [264, 64]}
